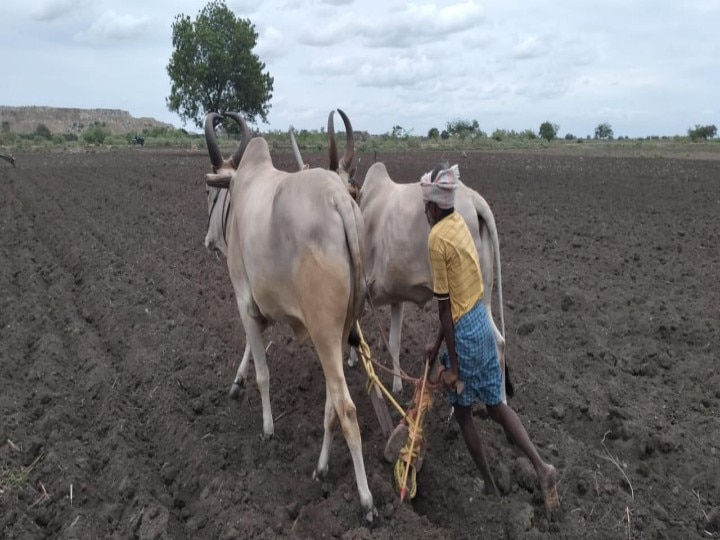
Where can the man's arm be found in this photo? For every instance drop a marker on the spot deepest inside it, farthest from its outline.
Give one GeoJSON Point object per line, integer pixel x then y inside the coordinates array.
{"type": "Point", "coordinates": [433, 348]}
{"type": "Point", "coordinates": [448, 332]}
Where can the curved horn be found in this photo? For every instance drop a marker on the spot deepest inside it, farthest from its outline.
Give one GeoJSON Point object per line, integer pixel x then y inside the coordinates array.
{"type": "Point", "coordinates": [245, 137]}
{"type": "Point", "coordinates": [211, 140]}
{"type": "Point", "coordinates": [296, 151]}
{"type": "Point", "coordinates": [331, 141]}
{"type": "Point", "coordinates": [350, 140]}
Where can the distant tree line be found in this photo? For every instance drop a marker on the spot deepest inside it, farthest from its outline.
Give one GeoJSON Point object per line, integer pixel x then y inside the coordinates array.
{"type": "Point", "coordinates": [470, 129]}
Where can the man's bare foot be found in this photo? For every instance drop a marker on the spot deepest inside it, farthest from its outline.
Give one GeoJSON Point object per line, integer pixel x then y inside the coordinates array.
{"type": "Point", "coordinates": [548, 484]}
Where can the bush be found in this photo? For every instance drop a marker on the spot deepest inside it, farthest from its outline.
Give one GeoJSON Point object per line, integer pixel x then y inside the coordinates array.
{"type": "Point", "coordinates": [96, 134]}
{"type": "Point", "coordinates": [8, 139]}
{"type": "Point", "coordinates": [43, 131]}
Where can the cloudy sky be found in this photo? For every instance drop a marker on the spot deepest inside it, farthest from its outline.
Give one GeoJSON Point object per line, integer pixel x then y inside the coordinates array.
{"type": "Point", "coordinates": [648, 67]}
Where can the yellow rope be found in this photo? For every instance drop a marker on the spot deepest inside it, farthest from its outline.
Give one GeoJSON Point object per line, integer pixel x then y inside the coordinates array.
{"type": "Point", "coordinates": [406, 464]}
{"type": "Point", "coordinates": [373, 379]}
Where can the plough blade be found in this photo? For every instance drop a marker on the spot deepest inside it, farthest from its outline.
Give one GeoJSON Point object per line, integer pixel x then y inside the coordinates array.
{"type": "Point", "coordinates": [381, 411]}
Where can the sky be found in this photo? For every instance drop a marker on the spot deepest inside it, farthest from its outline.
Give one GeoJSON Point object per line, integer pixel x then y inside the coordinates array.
{"type": "Point", "coordinates": [646, 67]}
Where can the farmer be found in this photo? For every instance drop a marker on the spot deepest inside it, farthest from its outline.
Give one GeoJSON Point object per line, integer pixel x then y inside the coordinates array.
{"type": "Point", "coordinates": [472, 368]}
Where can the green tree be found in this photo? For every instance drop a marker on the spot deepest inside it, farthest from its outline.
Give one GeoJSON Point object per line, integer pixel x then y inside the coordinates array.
{"type": "Point", "coordinates": [702, 132]}
{"type": "Point", "coordinates": [444, 135]}
{"type": "Point", "coordinates": [548, 131]}
{"type": "Point", "coordinates": [433, 133]}
{"type": "Point", "coordinates": [604, 131]}
{"type": "Point", "coordinates": [464, 129]}
{"type": "Point", "coordinates": [399, 132]}
{"type": "Point", "coordinates": [213, 68]}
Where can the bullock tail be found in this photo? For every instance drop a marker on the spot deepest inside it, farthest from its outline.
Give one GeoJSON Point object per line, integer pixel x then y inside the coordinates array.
{"type": "Point", "coordinates": [489, 234]}
{"type": "Point", "coordinates": [352, 221]}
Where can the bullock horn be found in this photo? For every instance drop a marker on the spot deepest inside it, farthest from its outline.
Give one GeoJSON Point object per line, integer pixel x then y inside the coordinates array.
{"type": "Point", "coordinates": [296, 151]}
{"type": "Point", "coordinates": [211, 140]}
{"type": "Point", "coordinates": [245, 137]}
{"type": "Point", "coordinates": [331, 141]}
{"type": "Point", "coordinates": [350, 140]}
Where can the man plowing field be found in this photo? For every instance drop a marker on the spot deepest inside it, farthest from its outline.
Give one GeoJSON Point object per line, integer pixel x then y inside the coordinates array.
{"type": "Point", "coordinates": [472, 365]}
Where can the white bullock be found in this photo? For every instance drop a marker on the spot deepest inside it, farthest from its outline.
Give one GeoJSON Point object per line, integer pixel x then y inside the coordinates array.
{"type": "Point", "coordinates": [294, 244]}
{"type": "Point", "coordinates": [396, 260]}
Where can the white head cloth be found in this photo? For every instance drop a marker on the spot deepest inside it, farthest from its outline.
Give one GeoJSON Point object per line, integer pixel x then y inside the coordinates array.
{"type": "Point", "coordinates": [441, 191]}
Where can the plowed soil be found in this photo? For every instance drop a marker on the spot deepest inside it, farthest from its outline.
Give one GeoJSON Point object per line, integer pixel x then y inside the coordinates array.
{"type": "Point", "coordinates": [120, 337]}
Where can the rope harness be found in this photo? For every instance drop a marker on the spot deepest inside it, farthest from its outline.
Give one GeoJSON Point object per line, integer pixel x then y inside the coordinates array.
{"type": "Point", "coordinates": [410, 457]}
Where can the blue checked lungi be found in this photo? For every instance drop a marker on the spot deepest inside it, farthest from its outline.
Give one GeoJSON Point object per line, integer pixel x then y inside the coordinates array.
{"type": "Point", "coordinates": [478, 363]}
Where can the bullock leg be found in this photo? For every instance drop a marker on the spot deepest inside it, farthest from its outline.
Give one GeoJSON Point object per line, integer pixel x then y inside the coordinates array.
{"type": "Point", "coordinates": [238, 384]}
{"type": "Point", "coordinates": [330, 423]}
{"type": "Point", "coordinates": [253, 334]}
{"type": "Point", "coordinates": [396, 318]}
{"type": "Point", "coordinates": [343, 408]}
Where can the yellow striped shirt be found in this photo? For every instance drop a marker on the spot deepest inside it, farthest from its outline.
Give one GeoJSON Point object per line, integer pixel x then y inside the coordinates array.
{"type": "Point", "coordinates": [454, 264]}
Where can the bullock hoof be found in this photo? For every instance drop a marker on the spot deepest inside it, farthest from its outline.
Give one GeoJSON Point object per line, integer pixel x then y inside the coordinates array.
{"type": "Point", "coordinates": [237, 389]}
{"type": "Point", "coordinates": [397, 389]}
{"type": "Point", "coordinates": [265, 437]}
{"type": "Point", "coordinates": [371, 515]}
{"type": "Point", "coordinates": [319, 474]}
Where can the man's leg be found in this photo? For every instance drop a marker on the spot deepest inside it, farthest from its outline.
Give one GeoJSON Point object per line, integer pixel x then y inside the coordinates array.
{"type": "Point", "coordinates": [547, 475]}
{"type": "Point", "coordinates": [474, 445]}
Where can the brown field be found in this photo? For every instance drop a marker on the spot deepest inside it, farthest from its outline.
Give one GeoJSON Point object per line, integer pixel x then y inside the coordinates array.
{"type": "Point", "coordinates": [120, 337]}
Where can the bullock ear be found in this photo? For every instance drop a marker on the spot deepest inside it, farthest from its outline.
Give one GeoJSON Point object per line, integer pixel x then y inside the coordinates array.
{"type": "Point", "coordinates": [221, 180]}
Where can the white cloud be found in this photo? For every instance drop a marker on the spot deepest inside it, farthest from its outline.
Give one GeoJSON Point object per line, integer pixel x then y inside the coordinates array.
{"type": "Point", "coordinates": [333, 65]}
{"type": "Point", "coordinates": [271, 44]}
{"type": "Point", "coordinates": [511, 64]}
{"type": "Point", "coordinates": [49, 10]}
{"type": "Point", "coordinates": [243, 8]}
{"type": "Point", "coordinates": [114, 27]}
{"type": "Point", "coordinates": [530, 47]}
{"type": "Point", "coordinates": [397, 72]}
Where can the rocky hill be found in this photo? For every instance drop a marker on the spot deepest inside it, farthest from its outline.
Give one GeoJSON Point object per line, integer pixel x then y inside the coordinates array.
{"type": "Point", "coordinates": [66, 120]}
